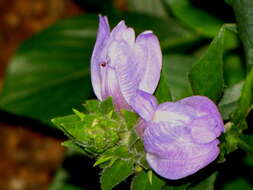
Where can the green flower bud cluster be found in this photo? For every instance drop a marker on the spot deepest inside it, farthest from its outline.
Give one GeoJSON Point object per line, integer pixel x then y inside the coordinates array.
{"type": "Point", "coordinates": [95, 130]}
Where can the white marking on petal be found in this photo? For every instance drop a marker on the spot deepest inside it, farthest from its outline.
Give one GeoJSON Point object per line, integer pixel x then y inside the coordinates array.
{"type": "Point", "coordinates": [129, 36]}
{"type": "Point", "coordinates": [147, 32]}
{"type": "Point", "coordinates": [160, 116]}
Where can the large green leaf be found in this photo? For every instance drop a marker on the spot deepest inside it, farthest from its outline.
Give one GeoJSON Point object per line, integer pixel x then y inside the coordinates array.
{"type": "Point", "coordinates": [244, 15]}
{"type": "Point", "coordinates": [49, 74]}
{"type": "Point", "coordinates": [163, 90]}
{"type": "Point", "coordinates": [234, 70]}
{"type": "Point", "coordinates": [229, 101]}
{"type": "Point", "coordinates": [118, 172]}
{"type": "Point", "coordinates": [206, 75]}
{"type": "Point", "coordinates": [141, 182]}
{"type": "Point", "coordinates": [152, 7]}
{"type": "Point", "coordinates": [197, 19]}
{"type": "Point", "coordinates": [174, 73]}
{"type": "Point", "coordinates": [170, 33]}
{"type": "Point", "coordinates": [245, 102]}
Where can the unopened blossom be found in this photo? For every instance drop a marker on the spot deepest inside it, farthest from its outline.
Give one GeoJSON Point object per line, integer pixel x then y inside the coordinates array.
{"type": "Point", "coordinates": [180, 137]}
{"type": "Point", "coordinates": [121, 64]}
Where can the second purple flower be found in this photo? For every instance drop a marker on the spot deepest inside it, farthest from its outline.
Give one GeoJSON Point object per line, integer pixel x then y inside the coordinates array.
{"type": "Point", "coordinates": [121, 64]}
{"type": "Point", "coordinates": [180, 137]}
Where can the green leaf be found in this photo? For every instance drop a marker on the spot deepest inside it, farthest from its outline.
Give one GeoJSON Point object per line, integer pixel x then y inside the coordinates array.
{"type": "Point", "coordinates": [75, 147]}
{"type": "Point", "coordinates": [230, 140]}
{"type": "Point", "coordinates": [205, 184]}
{"type": "Point", "coordinates": [234, 71]}
{"type": "Point", "coordinates": [197, 19]}
{"type": "Point", "coordinates": [245, 101]}
{"type": "Point", "coordinates": [106, 106]}
{"type": "Point", "coordinates": [92, 106]}
{"type": "Point", "coordinates": [115, 174]}
{"type": "Point", "coordinates": [130, 118]}
{"type": "Point", "coordinates": [141, 182]}
{"type": "Point", "coordinates": [162, 92]}
{"type": "Point", "coordinates": [229, 101]}
{"type": "Point", "coordinates": [49, 74]}
{"type": "Point", "coordinates": [170, 33]}
{"type": "Point", "coordinates": [206, 76]}
{"type": "Point", "coordinates": [174, 73]}
{"type": "Point", "coordinates": [244, 15]}
{"type": "Point", "coordinates": [152, 7]}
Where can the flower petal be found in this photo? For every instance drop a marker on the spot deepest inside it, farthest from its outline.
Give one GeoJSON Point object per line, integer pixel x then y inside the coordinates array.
{"type": "Point", "coordinates": [140, 127]}
{"type": "Point", "coordinates": [143, 67]}
{"type": "Point", "coordinates": [174, 112]}
{"type": "Point", "coordinates": [204, 106]}
{"type": "Point", "coordinates": [176, 168]}
{"type": "Point", "coordinates": [144, 104]}
{"type": "Point", "coordinates": [118, 30]}
{"type": "Point", "coordinates": [163, 138]}
{"type": "Point", "coordinates": [130, 72]}
{"type": "Point", "coordinates": [152, 61]}
{"type": "Point", "coordinates": [111, 88]}
{"type": "Point", "coordinates": [102, 38]}
{"type": "Point", "coordinates": [202, 130]}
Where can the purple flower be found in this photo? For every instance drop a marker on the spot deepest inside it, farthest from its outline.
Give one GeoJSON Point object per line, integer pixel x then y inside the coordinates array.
{"type": "Point", "coordinates": [121, 64]}
{"type": "Point", "coordinates": [179, 137]}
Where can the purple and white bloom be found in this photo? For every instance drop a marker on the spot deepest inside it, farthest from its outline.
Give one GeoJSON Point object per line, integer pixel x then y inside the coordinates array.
{"type": "Point", "coordinates": [180, 137]}
{"type": "Point", "coordinates": [121, 64]}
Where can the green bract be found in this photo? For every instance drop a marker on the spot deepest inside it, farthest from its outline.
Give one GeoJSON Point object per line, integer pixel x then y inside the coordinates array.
{"type": "Point", "coordinates": [96, 130]}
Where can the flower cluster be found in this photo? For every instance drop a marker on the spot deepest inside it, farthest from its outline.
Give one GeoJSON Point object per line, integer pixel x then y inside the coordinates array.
{"type": "Point", "coordinates": [179, 137]}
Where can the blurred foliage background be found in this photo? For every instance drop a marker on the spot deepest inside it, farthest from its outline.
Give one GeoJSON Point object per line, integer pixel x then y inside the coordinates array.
{"type": "Point", "coordinates": [49, 74]}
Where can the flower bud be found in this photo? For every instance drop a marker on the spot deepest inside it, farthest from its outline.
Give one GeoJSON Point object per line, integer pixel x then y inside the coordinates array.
{"type": "Point", "coordinates": [180, 137]}
{"type": "Point", "coordinates": [121, 64]}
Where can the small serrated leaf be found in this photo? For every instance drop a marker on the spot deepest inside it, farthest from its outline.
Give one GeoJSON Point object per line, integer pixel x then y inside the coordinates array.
{"type": "Point", "coordinates": [115, 174]}
{"type": "Point", "coordinates": [70, 144]}
{"type": "Point", "coordinates": [141, 182]}
{"type": "Point", "coordinates": [92, 106]}
{"type": "Point", "coordinates": [58, 121]}
{"type": "Point", "coordinates": [106, 106]}
{"type": "Point", "coordinates": [102, 159]}
{"type": "Point", "coordinates": [79, 114]}
{"type": "Point", "coordinates": [130, 118]}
